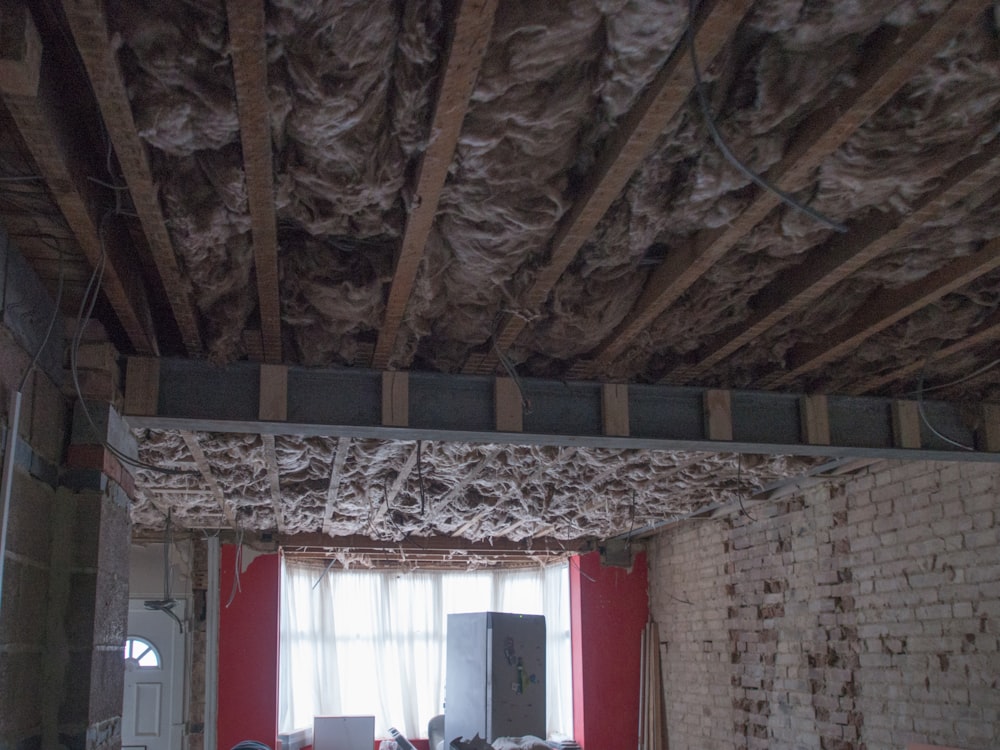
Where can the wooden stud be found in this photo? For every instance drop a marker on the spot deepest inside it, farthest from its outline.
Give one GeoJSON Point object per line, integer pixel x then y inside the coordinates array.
{"type": "Point", "coordinates": [718, 414]}
{"type": "Point", "coordinates": [508, 405]}
{"type": "Point", "coordinates": [989, 432]}
{"type": "Point", "coordinates": [142, 386]}
{"type": "Point", "coordinates": [906, 424]}
{"type": "Point", "coordinates": [395, 399]}
{"type": "Point", "coordinates": [273, 393]}
{"type": "Point", "coordinates": [815, 420]}
{"type": "Point", "coordinates": [473, 23]}
{"type": "Point", "coordinates": [614, 409]}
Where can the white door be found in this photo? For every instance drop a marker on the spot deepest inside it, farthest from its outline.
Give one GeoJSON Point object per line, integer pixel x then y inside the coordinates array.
{"type": "Point", "coordinates": [152, 707]}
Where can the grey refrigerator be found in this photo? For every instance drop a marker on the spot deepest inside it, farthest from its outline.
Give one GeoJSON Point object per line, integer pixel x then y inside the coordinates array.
{"type": "Point", "coordinates": [495, 676]}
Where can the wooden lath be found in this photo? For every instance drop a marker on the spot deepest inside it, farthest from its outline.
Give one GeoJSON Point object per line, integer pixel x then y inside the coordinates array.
{"type": "Point", "coordinates": [273, 480]}
{"type": "Point", "coordinates": [985, 333]}
{"type": "Point", "coordinates": [793, 291]}
{"type": "Point", "coordinates": [385, 501]}
{"type": "Point", "coordinates": [336, 472]}
{"type": "Point", "coordinates": [191, 441]}
{"type": "Point", "coordinates": [249, 54]}
{"type": "Point", "coordinates": [30, 89]}
{"type": "Point", "coordinates": [885, 308]}
{"type": "Point", "coordinates": [625, 150]}
{"type": "Point", "coordinates": [88, 24]}
{"type": "Point", "coordinates": [890, 63]}
{"type": "Point", "coordinates": [473, 23]}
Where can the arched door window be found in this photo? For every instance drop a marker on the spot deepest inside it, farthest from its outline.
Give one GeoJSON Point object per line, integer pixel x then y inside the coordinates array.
{"type": "Point", "coordinates": [141, 654]}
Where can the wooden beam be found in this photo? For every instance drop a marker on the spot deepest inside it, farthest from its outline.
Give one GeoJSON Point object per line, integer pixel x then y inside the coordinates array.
{"type": "Point", "coordinates": [469, 38]}
{"type": "Point", "coordinates": [906, 424]}
{"type": "Point", "coordinates": [385, 502]}
{"type": "Point", "coordinates": [395, 399]}
{"type": "Point", "coordinates": [887, 67]}
{"type": "Point", "coordinates": [347, 402]}
{"type": "Point", "coordinates": [191, 441]}
{"type": "Point", "coordinates": [142, 385]}
{"type": "Point", "coordinates": [88, 23]}
{"type": "Point", "coordinates": [508, 405]}
{"type": "Point", "coordinates": [796, 289]}
{"type": "Point", "coordinates": [985, 333]}
{"type": "Point", "coordinates": [336, 472]}
{"type": "Point", "coordinates": [273, 393]}
{"type": "Point", "coordinates": [468, 477]}
{"type": "Point", "coordinates": [619, 158]}
{"type": "Point", "coordinates": [885, 308]}
{"type": "Point", "coordinates": [30, 85]}
{"type": "Point", "coordinates": [248, 49]}
{"type": "Point", "coordinates": [273, 480]}
{"type": "Point", "coordinates": [718, 414]}
{"type": "Point", "coordinates": [614, 409]}
{"type": "Point", "coordinates": [815, 418]}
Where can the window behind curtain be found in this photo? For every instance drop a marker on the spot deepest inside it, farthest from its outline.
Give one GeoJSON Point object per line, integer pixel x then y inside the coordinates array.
{"type": "Point", "coordinates": [366, 642]}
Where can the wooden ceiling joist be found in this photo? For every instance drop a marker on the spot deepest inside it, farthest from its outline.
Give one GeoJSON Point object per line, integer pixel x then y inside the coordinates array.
{"type": "Point", "coordinates": [823, 267]}
{"type": "Point", "coordinates": [885, 308]}
{"type": "Point", "coordinates": [336, 472]}
{"type": "Point", "coordinates": [201, 461]}
{"type": "Point", "coordinates": [386, 500]}
{"type": "Point", "coordinates": [621, 156]}
{"type": "Point", "coordinates": [470, 36]}
{"type": "Point", "coordinates": [30, 88]}
{"type": "Point", "coordinates": [88, 23]}
{"type": "Point", "coordinates": [249, 54]}
{"type": "Point", "coordinates": [891, 62]}
{"type": "Point", "coordinates": [273, 480]}
{"type": "Point", "coordinates": [986, 333]}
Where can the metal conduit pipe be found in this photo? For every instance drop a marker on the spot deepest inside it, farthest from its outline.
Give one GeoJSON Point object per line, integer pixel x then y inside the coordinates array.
{"type": "Point", "coordinates": [13, 426]}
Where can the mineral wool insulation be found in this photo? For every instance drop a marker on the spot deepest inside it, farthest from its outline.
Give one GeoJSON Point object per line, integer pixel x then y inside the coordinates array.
{"type": "Point", "coordinates": [476, 492]}
{"type": "Point", "coordinates": [350, 85]}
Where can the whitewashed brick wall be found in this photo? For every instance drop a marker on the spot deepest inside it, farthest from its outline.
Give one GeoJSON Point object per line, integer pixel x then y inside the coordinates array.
{"type": "Point", "coordinates": [858, 615]}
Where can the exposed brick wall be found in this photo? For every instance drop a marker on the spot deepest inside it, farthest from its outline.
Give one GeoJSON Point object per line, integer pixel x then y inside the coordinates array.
{"type": "Point", "coordinates": [864, 614]}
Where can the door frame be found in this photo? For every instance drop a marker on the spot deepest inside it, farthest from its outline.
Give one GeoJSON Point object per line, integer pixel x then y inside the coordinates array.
{"type": "Point", "coordinates": [178, 668]}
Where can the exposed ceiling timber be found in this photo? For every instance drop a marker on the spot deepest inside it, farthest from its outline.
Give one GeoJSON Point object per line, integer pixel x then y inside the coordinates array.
{"type": "Point", "coordinates": [196, 396]}
{"type": "Point", "coordinates": [388, 496]}
{"type": "Point", "coordinates": [88, 24]}
{"type": "Point", "coordinates": [30, 88]}
{"type": "Point", "coordinates": [618, 161]}
{"type": "Point", "coordinates": [823, 267]}
{"type": "Point", "coordinates": [886, 307]}
{"type": "Point", "coordinates": [205, 469]}
{"type": "Point", "coordinates": [468, 478]}
{"type": "Point", "coordinates": [333, 490]}
{"type": "Point", "coordinates": [985, 333]}
{"type": "Point", "coordinates": [312, 541]}
{"type": "Point", "coordinates": [468, 41]}
{"type": "Point", "coordinates": [249, 55]}
{"type": "Point", "coordinates": [887, 68]}
{"type": "Point", "coordinates": [273, 480]}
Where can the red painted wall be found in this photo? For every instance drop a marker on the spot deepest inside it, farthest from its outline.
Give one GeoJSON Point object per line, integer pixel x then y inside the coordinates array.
{"type": "Point", "coordinates": [609, 608]}
{"type": "Point", "coordinates": [248, 651]}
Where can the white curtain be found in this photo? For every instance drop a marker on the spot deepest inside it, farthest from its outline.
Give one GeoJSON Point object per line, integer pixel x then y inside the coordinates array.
{"type": "Point", "coordinates": [364, 642]}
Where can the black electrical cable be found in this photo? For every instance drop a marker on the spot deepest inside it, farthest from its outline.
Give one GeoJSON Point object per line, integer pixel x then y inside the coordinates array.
{"type": "Point", "coordinates": [720, 142]}
{"type": "Point", "coordinates": [739, 485]}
